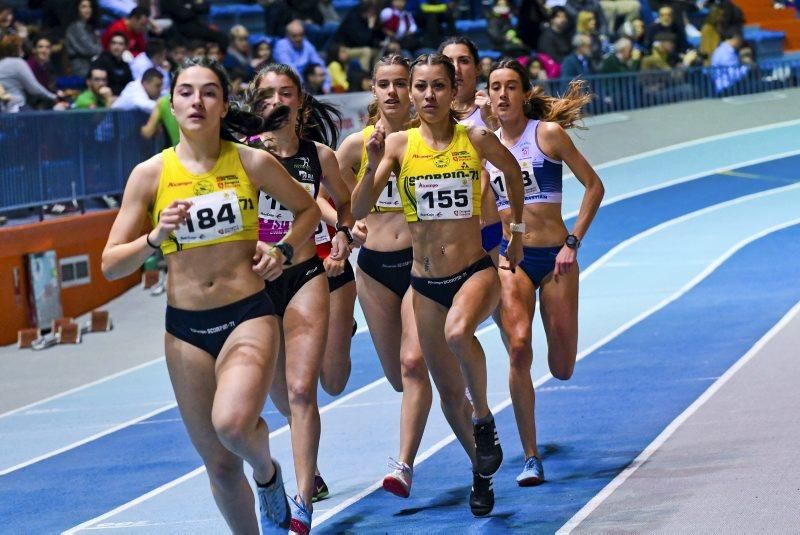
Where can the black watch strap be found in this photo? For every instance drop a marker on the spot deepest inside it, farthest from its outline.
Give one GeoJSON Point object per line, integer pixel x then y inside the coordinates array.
{"type": "Point", "coordinates": [347, 234]}
{"type": "Point", "coordinates": [573, 242]}
{"type": "Point", "coordinates": [287, 251]}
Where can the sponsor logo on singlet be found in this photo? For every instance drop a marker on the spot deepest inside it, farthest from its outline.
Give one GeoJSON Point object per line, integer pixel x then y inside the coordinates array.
{"type": "Point", "coordinates": [204, 187]}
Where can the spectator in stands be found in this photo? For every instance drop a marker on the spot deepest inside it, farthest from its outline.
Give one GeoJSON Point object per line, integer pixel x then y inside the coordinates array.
{"type": "Point", "coordinates": [574, 7]}
{"type": "Point", "coordinates": [238, 54]}
{"type": "Point", "coordinates": [186, 21]}
{"type": "Point", "coordinates": [314, 79]}
{"type": "Point", "coordinates": [662, 56]}
{"type": "Point", "coordinates": [536, 71]}
{"type": "Point", "coordinates": [665, 23]}
{"type": "Point", "coordinates": [329, 13]}
{"type": "Point", "coordinates": [40, 63]}
{"type": "Point", "coordinates": [141, 94]}
{"type": "Point", "coordinates": [710, 36]}
{"type": "Point", "coordinates": [197, 49]}
{"type": "Point", "coordinates": [297, 51]}
{"type": "Point", "coordinates": [176, 52]}
{"type": "Point", "coordinates": [616, 9]}
{"type": "Point", "coordinates": [635, 31]}
{"type": "Point", "coordinates": [277, 16]}
{"type": "Point", "coordinates": [214, 51]}
{"type": "Point", "coordinates": [338, 68]}
{"type": "Point", "coordinates": [732, 17]}
{"type": "Point", "coordinates": [398, 23]}
{"type": "Point", "coordinates": [16, 76]}
{"type": "Point", "coordinates": [119, 72]}
{"type": "Point", "coordinates": [625, 58]}
{"type": "Point", "coordinates": [501, 31]}
{"type": "Point", "coordinates": [132, 27]}
{"type": "Point", "coordinates": [578, 64]}
{"type": "Point", "coordinates": [727, 69]}
{"type": "Point", "coordinates": [97, 94]}
{"type": "Point", "coordinates": [555, 40]}
{"type": "Point", "coordinates": [436, 22]}
{"type": "Point", "coordinates": [587, 25]}
{"type": "Point", "coordinates": [162, 117]}
{"type": "Point", "coordinates": [532, 20]}
{"type": "Point", "coordinates": [154, 56]}
{"type": "Point", "coordinates": [484, 69]}
{"type": "Point", "coordinates": [82, 41]}
{"type": "Point", "coordinates": [360, 31]}
{"type": "Point", "coordinates": [59, 15]}
{"type": "Point", "coordinates": [8, 26]}
{"type": "Point", "coordinates": [262, 55]}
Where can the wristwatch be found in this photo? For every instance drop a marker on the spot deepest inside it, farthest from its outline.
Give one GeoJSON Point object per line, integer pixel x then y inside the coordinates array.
{"type": "Point", "coordinates": [346, 230]}
{"type": "Point", "coordinates": [573, 242]}
{"type": "Point", "coordinates": [517, 228]}
{"type": "Point", "coordinates": [287, 251]}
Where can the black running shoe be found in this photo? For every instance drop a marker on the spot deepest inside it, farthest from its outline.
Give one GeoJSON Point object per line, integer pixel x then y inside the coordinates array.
{"type": "Point", "coordinates": [488, 453]}
{"type": "Point", "coordinates": [481, 497]}
{"type": "Point", "coordinates": [320, 489]}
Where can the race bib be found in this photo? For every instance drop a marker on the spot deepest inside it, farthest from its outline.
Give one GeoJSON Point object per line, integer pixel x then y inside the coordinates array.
{"type": "Point", "coordinates": [270, 209]}
{"type": "Point", "coordinates": [448, 198]}
{"type": "Point", "coordinates": [390, 197]}
{"type": "Point", "coordinates": [498, 183]}
{"type": "Point", "coordinates": [322, 235]}
{"type": "Point", "coordinates": [212, 216]}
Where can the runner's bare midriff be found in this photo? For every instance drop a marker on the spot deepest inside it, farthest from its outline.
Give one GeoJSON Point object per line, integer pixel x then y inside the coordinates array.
{"type": "Point", "coordinates": [444, 247]}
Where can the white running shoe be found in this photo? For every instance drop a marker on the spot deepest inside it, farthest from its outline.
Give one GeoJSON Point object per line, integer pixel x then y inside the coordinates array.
{"type": "Point", "coordinates": [398, 482]}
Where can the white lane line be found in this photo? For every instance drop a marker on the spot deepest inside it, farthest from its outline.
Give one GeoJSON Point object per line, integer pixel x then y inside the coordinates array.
{"type": "Point", "coordinates": [595, 502]}
{"type": "Point", "coordinates": [83, 387]}
{"type": "Point", "coordinates": [201, 470]}
{"type": "Point", "coordinates": [614, 251]}
{"type": "Point", "coordinates": [688, 178]}
{"type": "Point", "coordinates": [605, 165]}
{"type": "Point", "coordinates": [86, 440]}
{"type": "Point", "coordinates": [692, 143]}
{"type": "Point", "coordinates": [617, 332]}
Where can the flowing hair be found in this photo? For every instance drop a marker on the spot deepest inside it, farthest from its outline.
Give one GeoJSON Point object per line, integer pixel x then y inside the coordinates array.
{"type": "Point", "coordinates": [238, 120]}
{"type": "Point", "coordinates": [392, 59]}
{"type": "Point", "coordinates": [431, 60]}
{"type": "Point", "coordinates": [566, 110]}
{"type": "Point", "coordinates": [317, 121]}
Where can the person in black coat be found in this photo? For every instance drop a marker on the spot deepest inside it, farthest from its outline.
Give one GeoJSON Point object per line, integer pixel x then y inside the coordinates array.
{"type": "Point", "coordinates": [556, 40]}
{"type": "Point", "coordinates": [185, 16]}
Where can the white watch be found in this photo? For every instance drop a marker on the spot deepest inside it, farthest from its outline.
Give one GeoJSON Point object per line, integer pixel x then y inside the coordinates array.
{"type": "Point", "coordinates": [517, 228]}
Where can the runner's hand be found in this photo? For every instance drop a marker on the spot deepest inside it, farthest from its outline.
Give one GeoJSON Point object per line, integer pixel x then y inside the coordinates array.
{"type": "Point", "coordinates": [565, 261]}
{"type": "Point", "coordinates": [268, 261]}
{"type": "Point", "coordinates": [376, 144]}
{"type": "Point", "coordinates": [359, 233]}
{"type": "Point", "coordinates": [514, 252]}
{"type": "Point", "coordinates": [171, 217]}
{"type": "Point", "coordinates": [339, 247]}
{"type": "Point", "coordinates": [333, 268]}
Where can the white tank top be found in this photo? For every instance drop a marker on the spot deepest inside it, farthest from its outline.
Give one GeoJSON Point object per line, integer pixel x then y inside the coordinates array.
{"type": "Point", "coordinates": [541, 175]}
{"type": "Point", "coordinates": [473, 119]}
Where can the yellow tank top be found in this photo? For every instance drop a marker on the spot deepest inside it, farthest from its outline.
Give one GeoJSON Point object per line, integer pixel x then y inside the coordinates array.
{"type": "Point", "coordinates": [389, 201]}
{"type": "Point", "coordinates": [225, 203]}
{"type": "Point", "coordinates": [443, 184]}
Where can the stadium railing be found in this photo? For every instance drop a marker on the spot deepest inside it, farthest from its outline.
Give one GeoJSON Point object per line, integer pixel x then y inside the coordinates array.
{"type": "Point", "coordinates": [56, 157]}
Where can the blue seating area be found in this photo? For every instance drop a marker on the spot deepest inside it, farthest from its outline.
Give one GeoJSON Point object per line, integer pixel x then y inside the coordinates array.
{"type": "Point", "coordinates": [226, 16]}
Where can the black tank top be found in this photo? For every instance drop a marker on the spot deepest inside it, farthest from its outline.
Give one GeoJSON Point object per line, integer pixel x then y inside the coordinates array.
{"type": "Point", "coordinates": [304, 166]}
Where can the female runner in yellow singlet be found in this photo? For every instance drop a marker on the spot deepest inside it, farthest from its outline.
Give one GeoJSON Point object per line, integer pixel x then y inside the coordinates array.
{"type": "Point", "coordinates": [384, 271]}
{"type": "Point", "coordinates": [438, 169]}
{"type": "Point", "coordinates": [222, 336]}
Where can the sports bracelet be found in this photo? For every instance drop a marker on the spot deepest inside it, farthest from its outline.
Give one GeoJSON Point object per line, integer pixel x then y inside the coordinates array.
{"type": "Point", "coordinates": [147, 239]}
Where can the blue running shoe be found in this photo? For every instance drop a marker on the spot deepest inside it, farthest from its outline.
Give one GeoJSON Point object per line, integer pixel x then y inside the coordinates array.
{"type": "Point", "coordinates": [301, 517]}
{"type": "Point", "coordinates": [273, 505]}
{"type": "Point", "coordinates": [532, 473]}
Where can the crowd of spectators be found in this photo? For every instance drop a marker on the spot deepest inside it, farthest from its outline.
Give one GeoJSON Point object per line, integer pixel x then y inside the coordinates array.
{"type": "Point", "coordinates": [126, 62]}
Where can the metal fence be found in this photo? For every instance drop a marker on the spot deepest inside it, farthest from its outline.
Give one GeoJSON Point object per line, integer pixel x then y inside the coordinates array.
{"type": "Point", "coordinates": [644, 89]}
{"type": "Point", "coordinates": [50, 157]}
